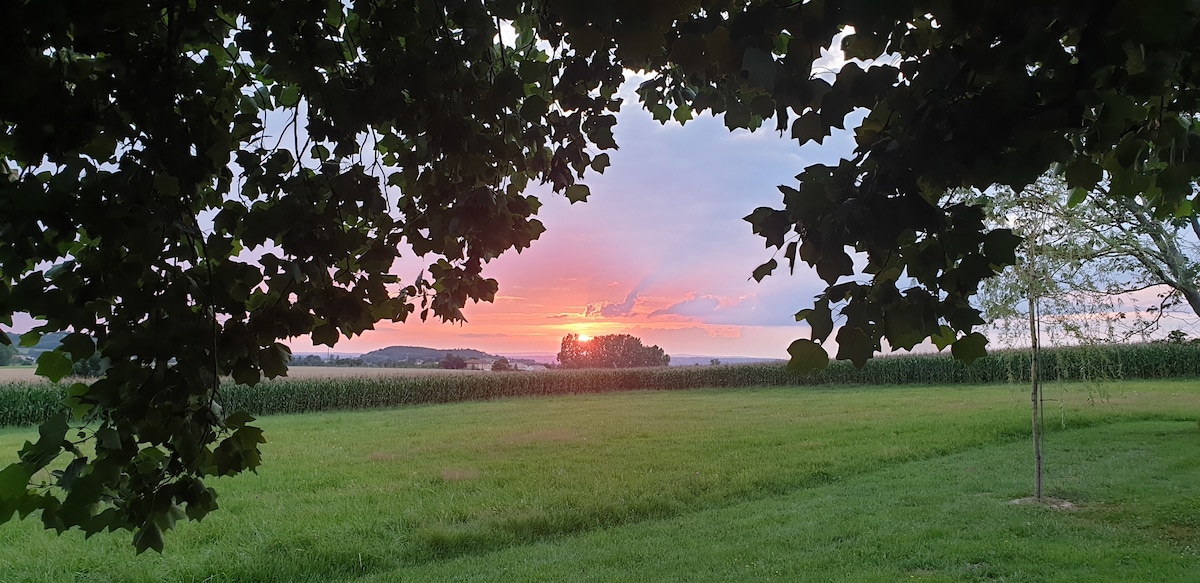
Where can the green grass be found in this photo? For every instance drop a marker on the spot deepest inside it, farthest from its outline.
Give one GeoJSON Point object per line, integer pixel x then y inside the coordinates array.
{"type": "Point", "coordinates": [862, 483]}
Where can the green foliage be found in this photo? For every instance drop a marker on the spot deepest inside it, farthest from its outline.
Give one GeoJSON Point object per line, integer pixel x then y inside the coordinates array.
{"type": "Point", "coordinates": [92, 366]}
{"type": "Point", "coordinates": [955, 95]}
{"type": "Point", "coordinates": [501, 364]}
{"type": "Point", "coordinates": [1178, 337]}
{"type": "Point", "coordinates": [127, 129]}
{"type": "Point", "coordinates": [7, 352]}
{"type": "Point", "coordinates": [1084, 258]}
{"type": "Point", "coordinates": [807, 356]}
{"type": "Point", "coordinates": [420, 132]}
{"type": "Point", "coordinates": [453, 362]}
{"type": "Point", "coordinates": [609, 351]}
{"type": "Point", "coordinates": [53, 365]}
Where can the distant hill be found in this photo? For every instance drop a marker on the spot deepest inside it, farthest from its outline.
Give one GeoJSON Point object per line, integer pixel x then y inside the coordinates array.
{"type": "Point", "coordinates": [48, 342]}
{"type": "Point", "coordinates": [415, 353]}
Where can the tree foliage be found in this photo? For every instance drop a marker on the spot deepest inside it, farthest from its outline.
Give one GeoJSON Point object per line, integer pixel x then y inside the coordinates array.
{"type": "Point", "coordinates": [8, 353]}
{"type": "Point", "coordinates": [609, 351]}
{"type": "Point", "coordinates": [968, 95]}
{"type": "Point", "coordinates": [501, 364]}
{"type": "Point", "coordinates": [190, 183]}
{"type": "Point", "coordinates": [453, 362]}
{"type": "Point", "coordinates": [1093, 253]}
{"type": "Point", "coordinates": [187, 184]}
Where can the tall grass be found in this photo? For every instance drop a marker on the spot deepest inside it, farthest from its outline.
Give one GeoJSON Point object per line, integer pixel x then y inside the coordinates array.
{"type": "Point", "coordinates": [26, 404]}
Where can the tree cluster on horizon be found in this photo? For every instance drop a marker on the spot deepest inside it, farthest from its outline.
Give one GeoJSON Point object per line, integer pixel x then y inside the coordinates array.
{"type": "Point", "coordinates": [609, 351]}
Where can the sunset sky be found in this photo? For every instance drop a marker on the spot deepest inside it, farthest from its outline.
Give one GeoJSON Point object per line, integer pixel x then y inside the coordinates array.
{"type": "Point", "coordinates": [659, 251]}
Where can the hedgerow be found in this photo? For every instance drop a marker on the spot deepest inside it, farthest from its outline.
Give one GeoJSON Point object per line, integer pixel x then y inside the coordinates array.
{"type": "Point", "coordinates": [31, 403]}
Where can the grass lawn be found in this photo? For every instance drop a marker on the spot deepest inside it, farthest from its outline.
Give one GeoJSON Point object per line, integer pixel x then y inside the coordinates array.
{"type": "Point", "coordinates": [856, 484]}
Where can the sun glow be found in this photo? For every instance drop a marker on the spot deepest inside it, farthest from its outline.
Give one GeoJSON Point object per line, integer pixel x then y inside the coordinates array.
{"type": "Point", "coordinates": [584, 337]}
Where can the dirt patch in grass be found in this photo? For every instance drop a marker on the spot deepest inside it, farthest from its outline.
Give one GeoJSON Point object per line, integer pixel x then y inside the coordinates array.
{"type": "Point", "coordinates": [1046, 502]}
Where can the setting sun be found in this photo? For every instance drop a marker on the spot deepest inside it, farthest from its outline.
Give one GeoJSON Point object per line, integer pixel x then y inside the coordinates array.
{"type": "Point", "coordinates": [584, 337]}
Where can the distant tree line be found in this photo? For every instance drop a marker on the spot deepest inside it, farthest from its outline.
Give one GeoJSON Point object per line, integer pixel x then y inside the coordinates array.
{"type": "Point", "coordinates": [453, 362]}
{"type": "Point", "coordinates": [315, 360]}
{"type": "Point", "coordinates": [8, 354]}
{"type": "Point", "coordinates": [610, 351]}
{"type": "Point", "coordinates": [449, 361]}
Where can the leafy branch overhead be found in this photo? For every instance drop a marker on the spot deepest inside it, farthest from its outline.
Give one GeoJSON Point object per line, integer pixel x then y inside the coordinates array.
{"type": "Point", "coordinates": [962, 96]}
{"type": "Point", "coordinates": [207, 179]}
{"type": "Point", "coordinates": [187, 184]}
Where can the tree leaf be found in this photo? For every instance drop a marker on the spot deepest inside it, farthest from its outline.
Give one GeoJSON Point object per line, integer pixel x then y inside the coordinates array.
{"type": "Point", "coordinates": [239, 419]}
{"type": "Point", "coordinates": [809, 127]}
{"type": "Point", "coordinates": [1000, 246]}
{"type": "Point", "coordinates": [578, 193]}
{"type": "Point", "coordinates": [600, 162]}
{"type": "Point", "coordinates": [1083, 174]}
{"type": "Point", "coordinates": [71, 473]}
{"type": "Point", "coordinates": [833, 264]}
{"type": "Point", "coordinates": [661, 113]}
{"type": "Point", "coordinates": [149, 537]}
{"type": "Point", "coordinates": [30, 339]}
{"type": "Point", "coordinates": [683, 114]}
{"type": "Point", "coordinates": [14, 481]}
{"type": "Point", "coordinates": [81, 346]}
{"type": "Point", "coordinates": [820, 320]}
{"type": "Point", "coordinates": [807, 356]}
{"type": "Point", "coordinates": [534, 108]}
{"type": "Point", "coordinates": [290, 96]}
{"type": "Point", "coordinates": [1078, 195]}
{"type": "Point", "coordinates": [53, 365]}
{"type": "Point", "coordinates": [764, 270]}
{"type": "Point", "coordinates": [326, 334]}
{"type": "Point", "coordinates": [273, 360]}
{"type": "Point", "coordinates": [969, 347]}
{"type": "Point", "coordinates": [761, 67]}
{"type": "Point", "coordinates": [864, 46]}
{"type": "Point", "coordinates": [854, 345]}
{"type": "Point", "coordinates": [943, 337]}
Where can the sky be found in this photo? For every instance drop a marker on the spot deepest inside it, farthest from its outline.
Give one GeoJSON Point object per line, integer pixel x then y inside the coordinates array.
{"type": "Point", "coordinates": [659, 251]}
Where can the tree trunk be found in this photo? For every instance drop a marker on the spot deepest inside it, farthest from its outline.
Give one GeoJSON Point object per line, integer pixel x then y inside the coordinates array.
{"type": "Point", "coordinates": [1035, 395]}
{"type": "Point", "coordinates": [1192, 295]}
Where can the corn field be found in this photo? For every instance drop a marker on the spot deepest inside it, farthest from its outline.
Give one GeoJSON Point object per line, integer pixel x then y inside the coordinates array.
{"type": "Point", "coordinates": [24, 404]}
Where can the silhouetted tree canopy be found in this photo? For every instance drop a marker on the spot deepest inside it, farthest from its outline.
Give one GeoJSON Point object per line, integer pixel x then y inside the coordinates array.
{"type": "Point", "coordinates": [453, 362]}
{"type": "Point", "coordinates": [610, 351]}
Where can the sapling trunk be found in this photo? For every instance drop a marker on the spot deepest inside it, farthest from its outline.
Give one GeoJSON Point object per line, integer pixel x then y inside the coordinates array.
{"type": "Point", "coordinates": [1035, 394]}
